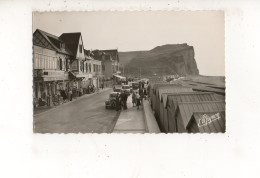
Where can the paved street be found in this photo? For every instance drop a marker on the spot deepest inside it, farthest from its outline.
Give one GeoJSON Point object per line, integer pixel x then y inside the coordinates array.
{"type": "Point", "coordinates": [130, 120]}
{"type": "Point", "coordinates": [85, 115]}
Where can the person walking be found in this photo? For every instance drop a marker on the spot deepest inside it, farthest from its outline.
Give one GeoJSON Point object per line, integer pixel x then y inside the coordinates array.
{"type": "Point", "coordinates": [134, 99]}
{"type": "Point", "coordinates": [145, 93]}
{"type": "Point", "coordinates": [138, 103]}
{"type": "Point", "coordinates": [97, 90]}
{"type": "Point", "coordinates": [70, 95]}
{"type": "Point", "coordinates": [118, 105]}
{"type": "Point", "coordinates": [141, 93]}
{"type": "Point", "coordinates": [122, 99]}
{"type": "Point", "coordinates": [125, 100]}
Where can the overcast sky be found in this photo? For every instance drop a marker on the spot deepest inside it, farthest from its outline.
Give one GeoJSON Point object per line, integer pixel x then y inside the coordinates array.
{"type": "Point", "coordinates": [133, 31]}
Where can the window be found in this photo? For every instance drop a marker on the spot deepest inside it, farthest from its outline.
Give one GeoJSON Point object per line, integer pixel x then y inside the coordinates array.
{"type": "Point", "coordinates": [89, 67]}
{"type": "Point", "coordinates": [36, 61]}
{"type": "Point", "coordinates": [62, 45]}
{"type": "Point", "coordinates": [80, 48]}
{"type": "Point", "coordinates": [60, 60]}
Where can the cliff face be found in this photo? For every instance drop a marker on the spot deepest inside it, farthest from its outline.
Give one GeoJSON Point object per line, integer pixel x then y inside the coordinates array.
{"type": "Point", "coordinates": [164, 60]}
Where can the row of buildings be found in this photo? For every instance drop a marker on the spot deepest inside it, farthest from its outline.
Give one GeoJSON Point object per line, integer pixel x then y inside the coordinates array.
{"type": "Point", "coordinates": [62, 63]}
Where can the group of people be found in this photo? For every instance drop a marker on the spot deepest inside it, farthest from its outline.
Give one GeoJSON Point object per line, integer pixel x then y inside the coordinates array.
{"type": "Point", "coordinates": [137, 98]}
{"type": "Point", "coordinates": [65, 95]}
{"type": "Point", "coordinates": [121, 101]}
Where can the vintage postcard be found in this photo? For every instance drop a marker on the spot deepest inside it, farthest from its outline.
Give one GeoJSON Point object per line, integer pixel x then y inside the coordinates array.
{"type": "Point", "coordinates": [129, 72]}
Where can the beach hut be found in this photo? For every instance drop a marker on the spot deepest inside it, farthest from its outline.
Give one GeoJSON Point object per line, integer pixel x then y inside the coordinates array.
{"type": "Point", "coordinates": [170, 103]}
{"type": "Point", "coordinates": [151, 85]}
{"type": "Point", "coordinates": [158, 96]}
{"type": "Point", "coordinates": [153, 92]}
{"type": "Point", "coordinates": [207, 122]}
{"type": "Point", "coordinates": [185, 111]}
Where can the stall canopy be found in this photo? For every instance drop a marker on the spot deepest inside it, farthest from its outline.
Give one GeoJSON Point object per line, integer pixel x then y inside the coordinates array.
{"type": "Point", "coordinates": [207, 122]}
{"type": "Point", "coordinates": [186, 109]}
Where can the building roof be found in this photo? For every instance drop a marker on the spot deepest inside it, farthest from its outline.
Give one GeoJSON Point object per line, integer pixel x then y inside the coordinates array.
{"type": "Point", "coordinates": [152, 83]}
{"type": "Point", "coordinates": [171, 89]}
{"type": "Point", "coordinates": [72, 41]}
{"type": "Point", "coordinates": [112, 52]}
{"type": "Point", "coordinates": [165, 85]}
{"type": "Point", "coordinates": [173, 98]}
{"type": "Point", "coordinates": [186, 109]}
{"type": "Point", "coordinates": [52, 39]}
{"type": "Point", "coordinates": [157, 84]}
{"type": "Point", "coordinates": [209, 122]}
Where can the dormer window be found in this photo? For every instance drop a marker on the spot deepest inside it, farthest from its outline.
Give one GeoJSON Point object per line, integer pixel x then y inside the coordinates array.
{"type": "Point", "coordinates": [62, 45]}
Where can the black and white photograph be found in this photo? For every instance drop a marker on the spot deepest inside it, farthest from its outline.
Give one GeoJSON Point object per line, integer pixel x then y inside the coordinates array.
{"type": "Point", "coordinates": [129, 89]}
{"type": "Point", "coordinates": [128, 72]}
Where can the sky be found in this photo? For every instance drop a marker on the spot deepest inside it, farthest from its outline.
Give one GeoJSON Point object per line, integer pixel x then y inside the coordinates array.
{"type": "Point", "coordinates": [134, 31]}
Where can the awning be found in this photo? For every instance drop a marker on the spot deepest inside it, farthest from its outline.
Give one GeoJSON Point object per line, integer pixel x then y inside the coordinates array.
{"type": "Point", "coordinates": [120, 77]}
{"type": "Point", "coordinates": [72, 75]}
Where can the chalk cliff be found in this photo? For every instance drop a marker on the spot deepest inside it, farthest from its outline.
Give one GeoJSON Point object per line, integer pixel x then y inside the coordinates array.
{"type": "Point", "coordinates": [162, 60]}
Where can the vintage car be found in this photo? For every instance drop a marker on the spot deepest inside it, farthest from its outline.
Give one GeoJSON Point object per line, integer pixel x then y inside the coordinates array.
{"type": "Point", "coordinates": [118, 90]}
{"type": "Point", "coordinates": [126, 88]}
{"type": "Point", "coordinates": [111, 102]}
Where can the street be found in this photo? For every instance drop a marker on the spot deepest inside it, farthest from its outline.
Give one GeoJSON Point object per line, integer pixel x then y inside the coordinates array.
{"type": "Point", "coordinates": [87, 114]}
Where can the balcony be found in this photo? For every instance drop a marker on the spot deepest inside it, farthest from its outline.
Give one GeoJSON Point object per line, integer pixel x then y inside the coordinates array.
{"type": "Point", "coordinates": [50, 75]}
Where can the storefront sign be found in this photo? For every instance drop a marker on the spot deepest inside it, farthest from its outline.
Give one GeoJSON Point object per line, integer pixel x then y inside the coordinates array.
{"type": "Point", "coordinates": [207, 119]}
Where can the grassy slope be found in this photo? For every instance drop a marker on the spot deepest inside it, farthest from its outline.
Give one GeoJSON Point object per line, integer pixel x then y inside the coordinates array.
{"type": "Point", "coordinates": [126, 57]}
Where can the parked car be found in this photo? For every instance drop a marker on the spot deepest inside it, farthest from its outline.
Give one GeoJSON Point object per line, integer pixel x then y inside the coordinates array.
{"type": "Point", "coordinates": [126, 88]}
{"type": "Point", "coordinates": [111, 101]}
{"type": "Point", "coordinates": [118, 90]}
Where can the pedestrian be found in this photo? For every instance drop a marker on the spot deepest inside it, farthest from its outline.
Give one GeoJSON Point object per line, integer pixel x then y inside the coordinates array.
{"type": "Point", "coordinates": [138, 103]}
{"type": "Point", "coordinates": [148, 89]}
{"type": "Point", "coordinates": [70, 95]}
{"type": "Point", "coordinates": [134, 99]}
{"type": "Point", "coordinates": [122, 97]}
{"type": "Point", "coordinates": [118, 105]}
{"type": "Point", "coordinates": [48, 99]}
{"type": "Point", "coordinates": [141, 93]}
{"type": "Point", "coordinates": [125, 100]}
{"type": "Point", "coordinates": [102, 86]}
{"type": "Point", "coordinates": [145, 93]}
{"type": "Point", "coordinates": [97, 90]}
{"type": "Point", "coordinates": [81, 91]}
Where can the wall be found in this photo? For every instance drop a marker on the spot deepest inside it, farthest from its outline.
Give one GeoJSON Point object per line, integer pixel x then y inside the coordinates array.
{"type": "Point", "coordinates": [108, 73]}
{"type": "Point", "coordinates": [44, 58]}
{"type": "Point", "coordinates": [81, 55]}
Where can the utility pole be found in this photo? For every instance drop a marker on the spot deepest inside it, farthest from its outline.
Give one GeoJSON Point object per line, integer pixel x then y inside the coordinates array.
{"type": "Point", "coordinates": [140, 72]}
